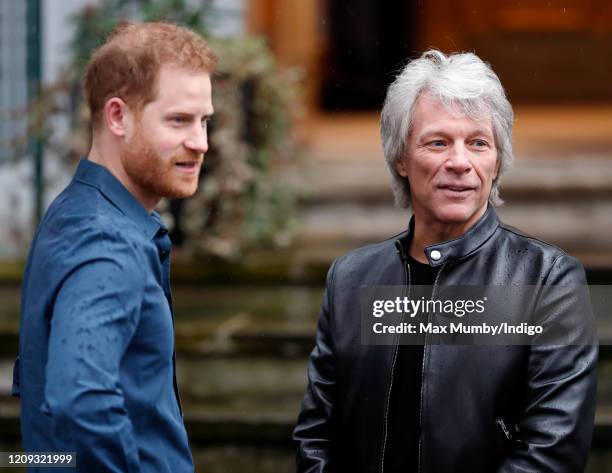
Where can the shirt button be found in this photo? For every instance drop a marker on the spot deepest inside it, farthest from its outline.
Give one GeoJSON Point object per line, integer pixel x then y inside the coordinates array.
{"type": "Point", "coordinates": [435, 255]}
{"type": "Point", "coordinates": [163, 254]}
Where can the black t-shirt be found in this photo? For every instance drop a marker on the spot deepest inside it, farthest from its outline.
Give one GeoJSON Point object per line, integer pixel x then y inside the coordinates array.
{"type": "Point", "coordinates": [401, 453]}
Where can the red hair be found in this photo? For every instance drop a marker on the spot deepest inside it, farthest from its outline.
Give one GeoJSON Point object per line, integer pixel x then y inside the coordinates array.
{"type": "Point", "coordinates": [127, 65]}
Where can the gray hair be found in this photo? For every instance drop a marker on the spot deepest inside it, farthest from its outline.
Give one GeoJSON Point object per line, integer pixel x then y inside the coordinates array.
{"type": "Point", "coordinates": [462, 79]}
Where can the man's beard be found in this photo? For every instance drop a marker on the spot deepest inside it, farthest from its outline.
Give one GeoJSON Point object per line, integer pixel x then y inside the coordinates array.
{"type": "Point", "coordinates": [155, 175]}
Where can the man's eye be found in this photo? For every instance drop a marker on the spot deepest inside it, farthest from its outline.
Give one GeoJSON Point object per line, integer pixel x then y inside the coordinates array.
{"type": "Point", "coordinates": [437, 143]}
{"type": "Point", "coordinates": [480, 143]}
{"type": "Point", "coordinates": [179, 120]}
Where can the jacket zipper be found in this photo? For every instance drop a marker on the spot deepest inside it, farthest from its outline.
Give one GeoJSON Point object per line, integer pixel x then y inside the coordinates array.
{"type": "Point", "coordinates": [433, 294]}
{"type": "Point", "coordinates": [392, 375]}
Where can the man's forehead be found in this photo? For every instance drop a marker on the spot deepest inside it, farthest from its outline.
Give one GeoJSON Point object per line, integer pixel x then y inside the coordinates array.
{"type": "Point", "coordinates": [179, 86]}
{"type": "Point", "coordinates": [431, 114]}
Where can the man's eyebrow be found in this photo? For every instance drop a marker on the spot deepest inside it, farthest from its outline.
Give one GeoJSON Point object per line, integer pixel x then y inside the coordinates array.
{"type": "Point", "coordinates": [481, 131]}
{"type": "Point", "coordinates": [171, 113]}
{"type": "Point", "coordinates": [441, 132]}
{"type": "Point", "coordinates": [433, 132]}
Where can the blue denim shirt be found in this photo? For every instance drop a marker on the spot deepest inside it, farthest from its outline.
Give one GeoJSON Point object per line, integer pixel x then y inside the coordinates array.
{"type": "Point", "coordinates": [95, 371]}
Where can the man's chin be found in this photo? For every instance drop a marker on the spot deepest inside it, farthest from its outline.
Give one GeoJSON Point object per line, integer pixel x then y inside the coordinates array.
{"type": "Point", "coordinates": [180, 192]}
{"type": "Point", "coordinates": [458, 213]}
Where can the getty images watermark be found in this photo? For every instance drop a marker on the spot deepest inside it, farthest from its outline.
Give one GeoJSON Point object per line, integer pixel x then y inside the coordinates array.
{"type": "Point", "coordinates": [484, 315]}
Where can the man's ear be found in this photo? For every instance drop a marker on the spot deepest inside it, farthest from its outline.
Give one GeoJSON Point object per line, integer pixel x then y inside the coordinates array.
{"type": "Point", "coordinates": [402, 166]}
{"type": "Point", "coordinates": [116, 116]}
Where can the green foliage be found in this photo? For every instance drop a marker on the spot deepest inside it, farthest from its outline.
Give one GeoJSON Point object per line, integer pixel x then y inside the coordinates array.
{"type": "Point", "coordinates": [242, 201]}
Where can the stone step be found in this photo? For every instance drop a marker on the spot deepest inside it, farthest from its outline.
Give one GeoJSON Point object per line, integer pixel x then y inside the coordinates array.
{"type": "Point", "coordinates": [567, 202]}
{"type": "Point", "coordinates": [367, 181]}
{"type": "Point", "coordinates": [270, 344]}
{"type": "Point", "coordinates": [581, 228]}
{"type": "Point", "coordinates": [260, 429]}
{"type": "Point", "coordinates": [255, 399]}
{"type": "Point", "coordinates": [215, 321]}
{"type": "Point", "coordinates": [261, 458]}
{"type": "Point", "coordinates": [259, 321]}
{"type": "Point", "coordinates": [252, 403]}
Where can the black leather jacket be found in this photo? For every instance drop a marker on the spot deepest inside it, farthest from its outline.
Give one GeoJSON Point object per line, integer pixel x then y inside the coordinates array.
{"type": "Point", "coordinates": [483, 408]}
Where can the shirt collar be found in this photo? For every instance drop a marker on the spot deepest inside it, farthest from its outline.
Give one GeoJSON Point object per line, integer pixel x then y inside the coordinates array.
{"type": "Point", "coordinates": [102, 179]}
{"type": "Point", "coordinates": [467, 243]}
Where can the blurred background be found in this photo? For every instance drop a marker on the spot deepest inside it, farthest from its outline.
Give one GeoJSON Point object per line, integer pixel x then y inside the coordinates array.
{"type": "Point", "coordinates": [295, 175]}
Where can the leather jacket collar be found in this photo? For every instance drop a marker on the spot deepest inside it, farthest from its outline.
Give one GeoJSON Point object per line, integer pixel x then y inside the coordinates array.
{"type": "Point", "coordinates": [455, 249]}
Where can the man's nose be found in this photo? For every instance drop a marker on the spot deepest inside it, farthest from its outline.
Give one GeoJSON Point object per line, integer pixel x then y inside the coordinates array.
{"type": "Point", "coordinates": [458, 159]}
{"type": "Point", "coordinates": [198, 140]}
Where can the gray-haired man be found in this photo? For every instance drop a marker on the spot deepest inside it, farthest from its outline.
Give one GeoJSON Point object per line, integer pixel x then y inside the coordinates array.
{"type": "Point", "coordinates": [446, 130]}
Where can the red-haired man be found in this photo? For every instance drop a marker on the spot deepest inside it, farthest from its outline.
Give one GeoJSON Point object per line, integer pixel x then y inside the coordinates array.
{"type": "Point", "coordinates": [96, 373]}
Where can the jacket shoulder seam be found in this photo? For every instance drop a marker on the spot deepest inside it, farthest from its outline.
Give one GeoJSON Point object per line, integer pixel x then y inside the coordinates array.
{"type": "Point", "coordinates": [532, 238]}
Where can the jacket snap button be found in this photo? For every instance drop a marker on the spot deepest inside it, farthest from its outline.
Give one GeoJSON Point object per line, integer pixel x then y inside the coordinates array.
{"type": "Point", "coordinates": [435, 255]}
